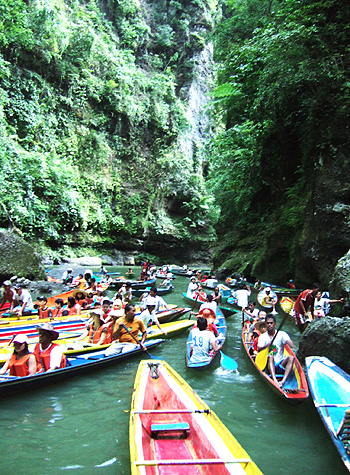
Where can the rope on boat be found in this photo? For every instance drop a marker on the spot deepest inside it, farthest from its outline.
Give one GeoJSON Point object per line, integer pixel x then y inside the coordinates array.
{"type": "Point", "coordinates": [154, 370]}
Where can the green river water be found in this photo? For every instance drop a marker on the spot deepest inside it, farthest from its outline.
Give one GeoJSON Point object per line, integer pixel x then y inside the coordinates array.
{"type": "Point", "coordinates": [81, 426]}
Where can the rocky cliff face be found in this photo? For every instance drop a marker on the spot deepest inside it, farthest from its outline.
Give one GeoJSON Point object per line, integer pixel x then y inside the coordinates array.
{"type": "Point", "coordinates": [19, 258]}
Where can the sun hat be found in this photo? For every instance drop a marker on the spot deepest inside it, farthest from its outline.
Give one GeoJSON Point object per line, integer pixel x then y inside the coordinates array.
{"type": "Point", "coordinates": [98, 312]}
{"type": "Point", "coordinates": [20, 339]}
{"type": "Point", "coordinates": [18, 286]}
{"type": "Point", "coordinates": [259, 325]}
{"type": "Point", "coordinates": [48, 327]}
{"type": "Point", "coordinates": [116, 313]}
{"type": "Point", "coordinates": [207, 313]}
{"type": "Point", "coordinates": [7, 282]}
{"type": "Point", "coordinates": [76, 291]}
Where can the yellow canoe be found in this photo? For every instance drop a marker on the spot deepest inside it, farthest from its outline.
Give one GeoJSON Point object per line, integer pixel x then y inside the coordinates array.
{"type": "Point", "coordinates": [172, 430]}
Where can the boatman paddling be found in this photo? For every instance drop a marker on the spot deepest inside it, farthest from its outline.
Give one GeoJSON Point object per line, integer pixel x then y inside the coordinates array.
{"type": "Point", "coordinates": [126, 331]}
{"type": "Point", "coordinates": [276, 362]}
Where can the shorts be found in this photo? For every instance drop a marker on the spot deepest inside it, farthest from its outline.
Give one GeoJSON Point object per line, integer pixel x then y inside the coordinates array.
{"type": "Point", "coordinates": [301, 319]}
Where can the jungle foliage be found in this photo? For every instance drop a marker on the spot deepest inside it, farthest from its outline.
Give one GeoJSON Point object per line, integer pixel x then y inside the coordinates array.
{"type": "Point", "coordinates": [92, 105]}
{"type": "Point", "coordinates": [283, 94]}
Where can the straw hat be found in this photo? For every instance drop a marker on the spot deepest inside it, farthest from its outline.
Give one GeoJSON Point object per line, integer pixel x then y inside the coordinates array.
{"type": "Point", "coordinates": [76, 291]}
{"type": "Point", "coordinates": [48, 327]}
{"type": "Point", "coordinates": [259, 325]}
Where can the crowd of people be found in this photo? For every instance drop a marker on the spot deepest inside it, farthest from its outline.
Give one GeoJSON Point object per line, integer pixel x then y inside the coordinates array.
{"type": "Point", "coordinates": [114, 321]}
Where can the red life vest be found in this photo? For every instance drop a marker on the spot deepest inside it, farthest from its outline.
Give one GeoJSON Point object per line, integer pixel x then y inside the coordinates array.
{"type": "Point", "coordinates": [95, 335]}
{"type": "Point", "coordinates": [47, 313]}
{"type": "Point", "coordinates": [19, 367]}
{"type": "Point", "coordinates": [57, 312]}
{"type": "Point", "coordinates": [43, 357]}
{"type": "Point", "coordinates": [74, 310]}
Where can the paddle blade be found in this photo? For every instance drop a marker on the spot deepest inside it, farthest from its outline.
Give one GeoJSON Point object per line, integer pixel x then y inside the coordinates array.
{"type": "Point", "coordinates": [227, 362]}
{"type": "Point", "coordinates": [261, 358]}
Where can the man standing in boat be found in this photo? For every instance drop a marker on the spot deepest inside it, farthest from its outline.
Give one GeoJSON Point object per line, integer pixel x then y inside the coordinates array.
{"type": "Point", "coordinates": [303, 303]}
{"type": "Point", "coordinates": [276, 359]}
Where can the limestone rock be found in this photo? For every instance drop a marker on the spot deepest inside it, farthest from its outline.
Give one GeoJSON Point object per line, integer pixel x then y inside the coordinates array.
{"type": "Point", "coordinates": [86, 261]}
{"type": "Point", "coordinates": [129, 260]}
{"type": "Point", "coordinates": [328, 337]}
{"type": "Point", "coordinates": [19, 258]}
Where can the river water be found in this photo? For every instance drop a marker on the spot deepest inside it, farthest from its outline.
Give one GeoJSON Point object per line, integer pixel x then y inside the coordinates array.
{"type": "Point", "coordinates": [81, 426]}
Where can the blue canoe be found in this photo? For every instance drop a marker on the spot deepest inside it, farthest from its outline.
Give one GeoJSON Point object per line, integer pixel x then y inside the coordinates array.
{"type": "Point", "coordinates": [76, 365]}
{"type": "Point", "coordinates": [221, 326]}
{"type": "Point", "coordinates": [330, 390]}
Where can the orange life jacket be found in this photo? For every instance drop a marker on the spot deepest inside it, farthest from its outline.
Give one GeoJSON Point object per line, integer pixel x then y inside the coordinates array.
{"type": "Point", "coordinates": [19, 367]}
{"type": "Point", "coordinates": [74, 310]}
{"type": "Point", "coordinates": [57, 312]}
{"type": "Point", "coordinates": [47, 313]}
{"type": "Point", "coordinates": [95, 335]}
{"type": "Point", "coordinates": [43, 357]}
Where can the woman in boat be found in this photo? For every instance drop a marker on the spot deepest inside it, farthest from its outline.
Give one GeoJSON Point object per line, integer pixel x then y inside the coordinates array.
{"type": "Point", "coordinates": [21, 362]}
{"type": "Point", "coordinates": [97, 330]}
{"type": "Point", "coordinates": [200, 295]}
{"type": "Point", "coordinates": [58, 310]}
{"type": "Point", "coordinates": [8, 294]}
{"type": "Point", "coordinates": [80, 297]}
{"type": "Point", "coordinates": [192, 287]}
{"type": "Point", "coordinates": [217, 296]}
{"type": "Point", "coordinates": [73, 308]}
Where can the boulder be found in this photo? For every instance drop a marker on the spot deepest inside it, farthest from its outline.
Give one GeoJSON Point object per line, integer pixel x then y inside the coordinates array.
{"type": "Point", "coordinates": [18, 257]}
{"type": "Point", "coordinates": [328, 337]}
{"type": "Point", "coordinates": [129, 261]}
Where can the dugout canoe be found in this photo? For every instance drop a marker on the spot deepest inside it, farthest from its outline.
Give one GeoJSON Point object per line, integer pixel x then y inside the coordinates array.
{"type": "Point", "coordinates": [173, 431]}
{"type": "Point", "coordinates": [295, 390]}
{"type": "Point", "coordinates": [222, 329]}
{"type": "Point", "coordinates": [135, 284]}
{"type": "Point", "coordinates": [77, 365]}
{"type": "Point", "coordinates": [195, 304]}
{"type": "Point", "coordinates": [330, 391]}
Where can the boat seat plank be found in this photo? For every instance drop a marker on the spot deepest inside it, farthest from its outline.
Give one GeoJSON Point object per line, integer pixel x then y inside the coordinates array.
{"type": "Point", "coordinates": [169, 429]}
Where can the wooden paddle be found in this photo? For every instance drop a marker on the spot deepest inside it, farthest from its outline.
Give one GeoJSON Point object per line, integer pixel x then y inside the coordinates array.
{"type": "Point", "coordinates": [137, 341]}
{"type": "Point", "coordinates": [193, 307]}
{"type": "Point", "coordinates": [261, 357]}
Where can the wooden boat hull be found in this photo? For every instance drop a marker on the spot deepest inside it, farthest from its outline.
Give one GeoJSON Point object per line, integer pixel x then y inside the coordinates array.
{"type": "Point", "coordinates": [330, 390]}
{"type": "Point", "coordinates": [195, 304]}
{"type": "Point", "coordinates": [165, 316]}
{"type": "Point", "coordinates": [221, 326]}
{"type": "Point", "coordinates": [166, 402]}
{"type": "Point", "coordinates": [295, 390]}
{"type": "Point", "coordinates": [78, 365]}
{"type": "Point", "coordinates": [135, 284]}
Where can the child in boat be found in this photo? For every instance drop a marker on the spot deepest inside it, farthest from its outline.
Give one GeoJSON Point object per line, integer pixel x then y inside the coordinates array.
{"type": "Point", "coordinates": [58, 310]}
{"type": "Point", "coordinates": [43, 310]}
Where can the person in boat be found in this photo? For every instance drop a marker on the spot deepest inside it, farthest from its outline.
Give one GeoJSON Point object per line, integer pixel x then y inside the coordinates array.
{"type": "Point", "coordinates": [192, 287]}
{"type": "Point", "coordinates": [126, 331]}
{"type": "Point", "coordinates": [303, 303]}
{"type": "Point", "coordinates": [209, 303]}
{"type": "Point", "coordinates": [23, 299]}
{"type": "Point", "coordinates": [49, 355]}
{"type": "Point", "coordinates": [58, 310]}
{"type": "Point", "coordinates": [322, 304]}
{"type": "Point", "coordinates": [73, 308]}
{"type": "Point", "coordinates": [290, 284]}
{"type": "Point", "coordinates": [276, 360]}
{"type": "Point", "coordinates": [107, 279]}
{"type": "Point", "coordinates": [43, 310]}
{"type": "Point", "coordinates": [21, 362]}
{"type": "Point", "coordinates": [251, 313]}
{"type": "Point", "coordinates": [268, 299]}
{"type": "Point", "coordinates": [103, 270]}
{"type": "Point", "coordinates": [259, 328]}
{"type": "Point", "coordinates": [203, 341]}
{"type": "Point", "coordinates": [117, 301]}
{"type": "Point", "coordinates": [210, 316]}
{"type": "Point", "coordinates": [98, 332]}
{"type": "Point", "coordinates": [106, 308]}
{"type": "Point", "coordinates": [80, 297]}
{"type": "Point", "coordinates": [8, 294]}
{"type": "Point", "coordinates": [160, 302]}
{"type": "Point", "coordinates": [166, 283]}
{"type": "Point", "coordinates": [257, 285]}
{"type": "Point", "coordinates": [129, 271]}
{"type": "Point", "coordinates": [67, 276]}
{"type": "Point", "coordinates": [148, 316]}
{"type": "Point", "coordinates": [251, 324]}
{"type": "Point", "coordinates": [90, 299]}
{"type": "Point", "coordinates": [217, 296]}
{"type": "Point", "coordinates": [79, 282]}
{"type": "Point", "coordinates": [200, 295]}
{"type": "Point", "coordinates": [242, 295]}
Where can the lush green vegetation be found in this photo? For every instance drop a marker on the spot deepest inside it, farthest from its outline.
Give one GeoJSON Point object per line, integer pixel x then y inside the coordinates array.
{"type": "Point", "coordinates": [92, 105]}
{"type": "Point", "coordinates": [284, 95]}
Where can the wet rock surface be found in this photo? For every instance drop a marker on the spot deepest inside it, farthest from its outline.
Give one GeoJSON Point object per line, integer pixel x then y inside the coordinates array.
{"type": "Point", "coordinates": [330, 337]}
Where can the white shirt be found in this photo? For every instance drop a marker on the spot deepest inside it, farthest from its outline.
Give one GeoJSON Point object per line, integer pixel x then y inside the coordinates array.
{"type": "Point", "coordinates": [25, 297]}
{"type": "Point", "coordinates": [202, 342]}
{"type": "Point", "coordinates": [146, 317]}
{"type": "Point", "coordinates": [242, 296]}
{"type": "Point", "coordinates": [279, 342]}
{"type": "Point", "coordinates": [192, 286]}
{"type": "Point", "coordinates": [160, 302]}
